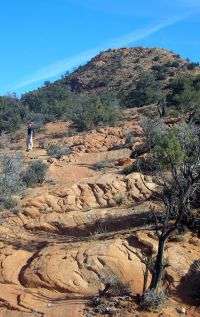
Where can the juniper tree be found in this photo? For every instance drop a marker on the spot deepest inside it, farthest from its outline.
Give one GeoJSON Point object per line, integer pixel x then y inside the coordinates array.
{"type": "Point", "coordinates": [176, 153]}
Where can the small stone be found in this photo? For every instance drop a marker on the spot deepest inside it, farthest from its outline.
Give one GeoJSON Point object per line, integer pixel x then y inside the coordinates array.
{"type": "Point", "coordinates": [181, 310]}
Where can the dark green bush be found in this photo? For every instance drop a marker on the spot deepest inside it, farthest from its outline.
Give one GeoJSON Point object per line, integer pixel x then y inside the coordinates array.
{"type": "Point", "coordinates": [91, 111]}
{"type": "Point", "coordinates": [52, 101]}
{"type": "Point", "coordinates": [11, 183]}
{"type": "Point", "coordinates": [175, 64]}
{"type": "Point", "coordinates": [10, 114]}
{"type": "Point", "coordinates": [11, 167]}
{"type": "Point", "coordinates": [160, 71]}
{"type": "Point", "coordinates": [8, 202]}
{"type": "Point", "coordinates": [35, 174]}
{"type": "Point", "coordinates": [185, 93]}
{"type": "Point", "coordinates": [156, 58]}
{"type": "Point", "coordinates": [130, 169]}
{"type": "Point", "coordinates": [142, 164]}
{"type": "Point", "coordinates": [147, 91]}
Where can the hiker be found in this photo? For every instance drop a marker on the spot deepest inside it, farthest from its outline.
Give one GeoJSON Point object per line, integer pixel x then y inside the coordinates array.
{"type": "Point", "coordinates": [30, 134]}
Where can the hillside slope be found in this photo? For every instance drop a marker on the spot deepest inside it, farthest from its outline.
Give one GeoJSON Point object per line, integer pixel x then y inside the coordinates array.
{"type": "Point", "coordinates": [117, 70]}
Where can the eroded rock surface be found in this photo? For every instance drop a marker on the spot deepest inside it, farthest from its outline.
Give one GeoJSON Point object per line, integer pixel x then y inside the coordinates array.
{"type": "Point", "coordinates": [103, 193]}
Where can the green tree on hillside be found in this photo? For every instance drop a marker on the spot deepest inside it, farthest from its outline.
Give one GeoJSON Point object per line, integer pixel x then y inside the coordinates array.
{"type": "Point", "coordinates": [185, 93]}
{"type": "Point", "coordinates": [90, 111]}
{"type": "Point", "coordinates": [11, 114]}
{"type": "Point", "coordinates": [147, 91]}
{"type": "Point", "coordinates": [51, 100]}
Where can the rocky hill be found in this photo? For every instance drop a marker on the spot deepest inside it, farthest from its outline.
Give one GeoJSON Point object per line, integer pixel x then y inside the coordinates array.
{"type": "Point", "coordinates": [118, 70]}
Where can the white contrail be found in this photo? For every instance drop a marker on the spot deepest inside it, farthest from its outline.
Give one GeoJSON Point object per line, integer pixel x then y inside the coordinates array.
{"type": "Point", "coordinates": [59, 67]}
{"type": "Point", "coordinates": [190, 3]}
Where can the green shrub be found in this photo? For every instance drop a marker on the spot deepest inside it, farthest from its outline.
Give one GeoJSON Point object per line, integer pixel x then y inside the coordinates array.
{"type": "Point", "coordinates": [4, 141]}
{"type": "Point", "coordinates": [175, 64]}
{"type": "Point", "coordinates": [130, 138]}
{"type": "Point", "coordinates": [91, 111]}
{"type": "Point", "coordinates": [10, 114]}
{"type": "Point", "coordinates": [11, 167]}
{"type": "Point", "coordinates": [38, 119]}
{"type": "Point", "coordinates": [160, 71]}
{"type": "Point", "coordinates": [168, 149]}
{"type": "Point", "coordinates": [156, 58]}
{"type": "Point", "coordinates": [119, 199]}
{"type": "Point", "coordinates": [130, 169]}
{"type": "Point", "coordinates": [51, 100]}
{"type": "Point", "coordinates": [11, 183]}
{"type": "Point", "coordinates": [144, 164]}
{"type": "Point", "coordinates": [185, 93]}
{"type": "Point", "coordinates": [8, 202]}
{"type": "Point", "coordinates": [172, 64]}
{"type": "Point", "coordinates": [35, 174]}
{"type": "Point", "coordinates": [115, 287]}
{"type": "Point", "coordinates": [57, 151]}
{"type": "Point", "coordinates": [147, 91]}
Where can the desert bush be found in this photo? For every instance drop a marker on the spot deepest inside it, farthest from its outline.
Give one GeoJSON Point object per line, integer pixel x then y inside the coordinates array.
{"type": "Point", "coordinates": [11, 183]}
{"type": "Point", "coordinates": [146, 164]}
{"type": "Point", "coordinates": [152, 129]}
{"type": "Point", "coordinates": [147, 91]}
{"type": "Point", "coordinates": [91, 111]}
{"type": "Point", "coordinates": [70, 133]}
{"type": "Point", "coordinates": [119, 199]}
{"type": "Point", "coordinates": [38, 120]}
{"type": "Point", "coordinates": [114, 286]}
{"type": "Point", "coordinates": [11, 167]}
{"type": "Point", "coordinates": [10, 114]}
{"type": "Point", "coordinates": [51, 101]}
{"type": "Point", "coordinates": [130, 138]}
{"type": "Point", "coordinates": [129, 169]}
{"type": "Point", "coordinates": [8, 202]}
{"type": "Point", "coordinates": [100, 228]}
{"type": "Point", "coordinates": [172, 64]}
{"type": "Point", "coordinates": [35, 173]}
{"type": "Point", "coordinates": [57, 151]}
{"type": "Point", "coordinates": [185, 93]}
{"type": "Point", "coordinates": [4, 141]}
{"type": "Point", "coordinates": [142, 164]}
{"type": "Point", "coordinates": [153, 301]}
{"type": "Point", "coordinates": [160, 71]}
{"type": "Point", "coordinates": [156, 58]}
{"type": "Point", "coordinates": [100, 166]}
{"type": "Point", "coordinates": [42, 144]}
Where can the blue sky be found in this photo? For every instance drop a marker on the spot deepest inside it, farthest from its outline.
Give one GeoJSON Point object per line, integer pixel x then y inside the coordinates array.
{"type": "Point", "coordinates": [41, 39]}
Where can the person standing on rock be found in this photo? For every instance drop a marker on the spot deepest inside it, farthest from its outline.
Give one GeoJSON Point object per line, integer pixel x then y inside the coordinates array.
{"type": "Point", "coordinates": [30, 134]}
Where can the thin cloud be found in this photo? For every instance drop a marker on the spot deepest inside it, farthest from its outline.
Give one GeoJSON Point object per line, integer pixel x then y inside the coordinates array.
{"type": "Point", "coordinates": [190, 3]}
{"type": "Point", "coordinates": [59, 67]}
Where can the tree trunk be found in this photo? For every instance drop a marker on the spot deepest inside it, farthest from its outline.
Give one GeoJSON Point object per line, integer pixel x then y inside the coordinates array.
{"type": "Point", "coordinates": [158, 266]}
